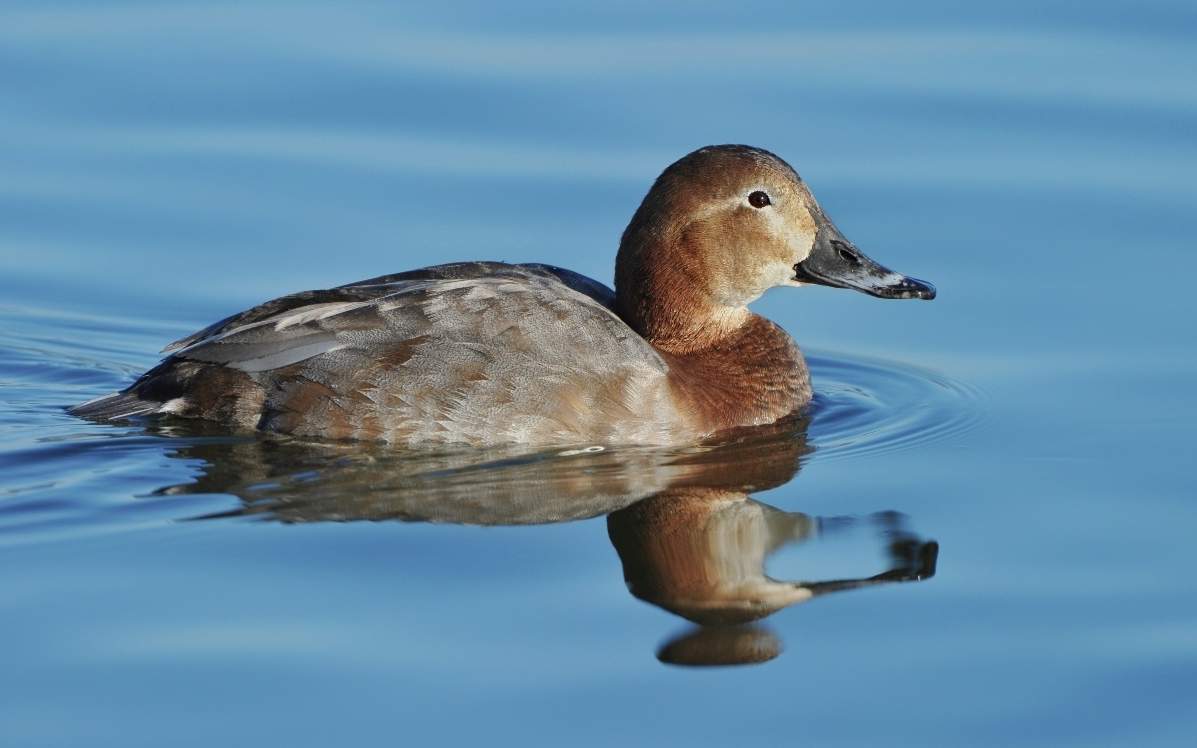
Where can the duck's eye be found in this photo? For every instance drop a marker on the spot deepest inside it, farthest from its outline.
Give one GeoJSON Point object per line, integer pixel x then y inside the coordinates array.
{"type": "Point", "coordinates": [758, 199]}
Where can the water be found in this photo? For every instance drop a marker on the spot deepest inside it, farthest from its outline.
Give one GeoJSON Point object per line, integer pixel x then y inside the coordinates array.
{"type": "Point", "coordinates": [1009, 466]}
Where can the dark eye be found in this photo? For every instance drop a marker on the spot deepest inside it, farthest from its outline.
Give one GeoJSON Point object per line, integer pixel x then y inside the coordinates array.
{"type": "Point", "coordinates": [758, 199]}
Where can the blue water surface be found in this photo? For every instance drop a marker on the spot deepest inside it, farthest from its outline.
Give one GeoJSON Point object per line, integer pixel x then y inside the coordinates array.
{"type": "Point", "coordinates": [1013, 459]}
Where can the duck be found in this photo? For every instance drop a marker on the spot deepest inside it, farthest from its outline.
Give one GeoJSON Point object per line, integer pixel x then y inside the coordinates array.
{"type": "Point", "coordinates": [491, 353]}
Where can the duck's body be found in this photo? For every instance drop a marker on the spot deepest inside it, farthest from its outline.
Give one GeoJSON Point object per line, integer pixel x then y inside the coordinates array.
{"type": "Point", "coordinates": [485, 353]}
{"type": "Point", "coordinates": [479, 353]}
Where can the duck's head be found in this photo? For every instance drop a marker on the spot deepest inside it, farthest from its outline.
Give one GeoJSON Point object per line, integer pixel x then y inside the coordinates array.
{"type": "Point", "coordinates": [724, 224]}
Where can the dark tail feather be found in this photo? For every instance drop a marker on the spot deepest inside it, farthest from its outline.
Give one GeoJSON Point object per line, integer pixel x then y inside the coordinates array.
{"type": "Point", "coordinates": [114, 407]}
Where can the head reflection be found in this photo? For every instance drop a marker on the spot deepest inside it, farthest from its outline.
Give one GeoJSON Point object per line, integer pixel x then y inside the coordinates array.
{"type": "Point", "coordinates": [701, 554]}
{"type": "Point", "coordinates": [690, 538]}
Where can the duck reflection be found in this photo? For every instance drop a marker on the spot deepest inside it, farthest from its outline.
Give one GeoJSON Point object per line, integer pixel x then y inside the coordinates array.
{"type": "Point", "coordinates": [690, 538]}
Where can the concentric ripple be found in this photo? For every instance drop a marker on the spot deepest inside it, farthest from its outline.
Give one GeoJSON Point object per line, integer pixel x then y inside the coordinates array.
{"type": "Point", "coordinates": [869, 406]}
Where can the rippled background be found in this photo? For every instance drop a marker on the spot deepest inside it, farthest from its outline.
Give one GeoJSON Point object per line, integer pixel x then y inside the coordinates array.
{"type": "Point", "coordinates": [163, 165]}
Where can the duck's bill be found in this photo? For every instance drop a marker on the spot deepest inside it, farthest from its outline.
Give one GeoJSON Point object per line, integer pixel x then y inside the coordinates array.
{"type": "Point", "coordinates": [834, 261]}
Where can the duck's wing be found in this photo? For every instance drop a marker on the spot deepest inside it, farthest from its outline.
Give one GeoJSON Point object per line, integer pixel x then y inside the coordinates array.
{"type": "Point", "coordinates": [536, 310]}
{"type": "Point", "coordinates": [479, 353]}
{"type": "Point", "coordinates": [327, 300]}
{"type": "Point", "coordinates": [513, 356]}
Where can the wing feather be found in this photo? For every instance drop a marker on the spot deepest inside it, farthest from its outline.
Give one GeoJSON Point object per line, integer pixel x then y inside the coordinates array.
{"type": "Point", "coordinates": [305, 302]}
{"type": "Point", "coordinates": [459, 302]}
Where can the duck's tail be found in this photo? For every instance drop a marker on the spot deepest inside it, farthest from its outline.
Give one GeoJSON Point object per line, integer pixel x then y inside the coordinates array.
{"type": "Point", "coordinates": [117, 406]}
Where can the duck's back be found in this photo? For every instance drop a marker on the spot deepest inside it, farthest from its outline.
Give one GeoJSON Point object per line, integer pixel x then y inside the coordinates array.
{"type": "Point", "coordinates": [475, 353]}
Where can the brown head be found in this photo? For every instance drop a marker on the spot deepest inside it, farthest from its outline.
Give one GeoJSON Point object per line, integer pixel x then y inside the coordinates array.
{"type": "Point", "coordinates": [721, 226]}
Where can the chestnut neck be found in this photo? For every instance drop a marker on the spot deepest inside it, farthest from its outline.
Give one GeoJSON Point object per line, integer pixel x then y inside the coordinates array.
{"type": "Point", "coordinates": [661, 293]}
{"type": "Point", "coordinates": [683, 326]}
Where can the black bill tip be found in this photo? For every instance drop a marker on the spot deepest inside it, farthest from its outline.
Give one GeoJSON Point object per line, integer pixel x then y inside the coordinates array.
{"type": "Point", "coordinates": [908, 288]}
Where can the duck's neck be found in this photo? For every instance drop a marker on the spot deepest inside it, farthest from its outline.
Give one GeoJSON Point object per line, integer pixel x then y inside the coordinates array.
{"type": "Point", "coordinates": [669, 313]}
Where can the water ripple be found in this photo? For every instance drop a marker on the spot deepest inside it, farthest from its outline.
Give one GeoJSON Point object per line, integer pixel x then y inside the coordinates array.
{"type": "Point", "coordinates": [869, 406]}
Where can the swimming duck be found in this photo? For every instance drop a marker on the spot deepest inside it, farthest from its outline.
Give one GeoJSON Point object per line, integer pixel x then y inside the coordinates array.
{"type": "Point", "coordinates": [486, 353]}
